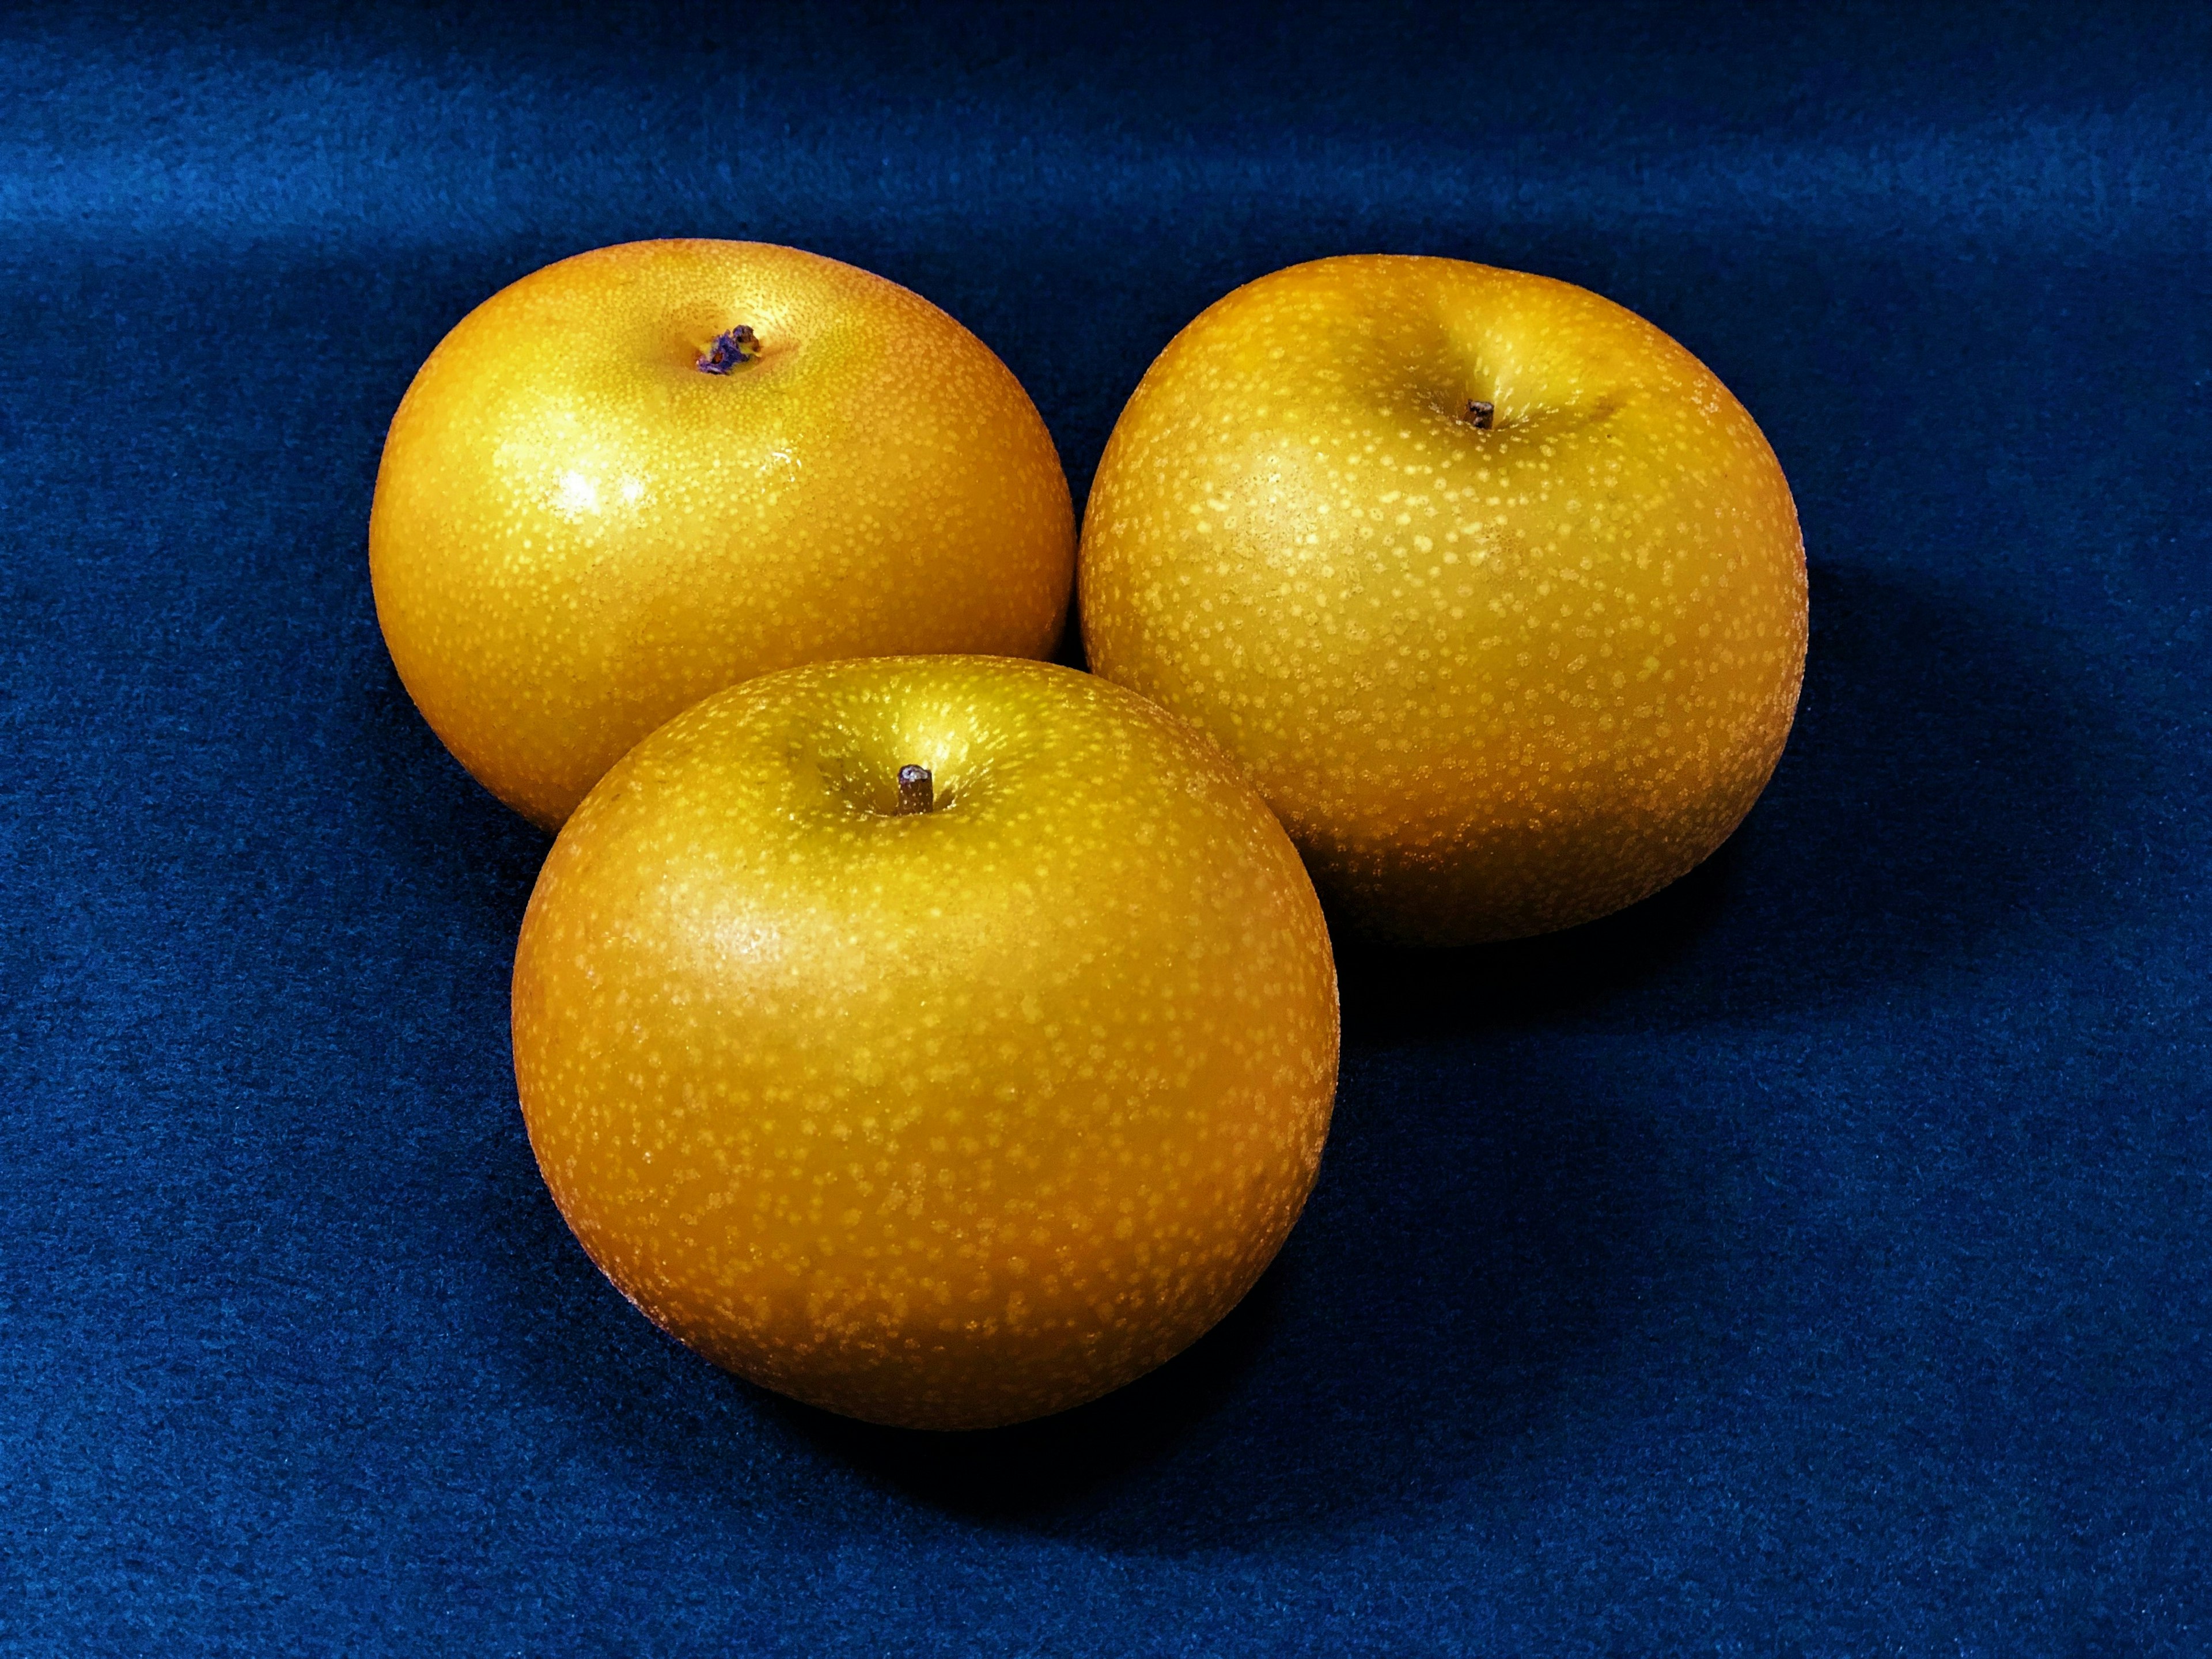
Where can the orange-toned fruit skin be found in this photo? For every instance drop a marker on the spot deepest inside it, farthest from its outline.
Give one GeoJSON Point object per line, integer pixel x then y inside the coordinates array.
{"type": "Point", "coordinates": [577, 533]}
{"type": "Point", "coordinates": [1495, 681]}
{"type": "Point", "coordinates": [947, 1120]}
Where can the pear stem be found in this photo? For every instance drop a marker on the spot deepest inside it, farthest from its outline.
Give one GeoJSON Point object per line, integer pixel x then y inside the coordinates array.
{"type": "Point", "coordinates": [731, 349]}
{"type": "Point", "coordinates": [1479, 414]}
{"type": "Point", "coordinates": [917, 791]}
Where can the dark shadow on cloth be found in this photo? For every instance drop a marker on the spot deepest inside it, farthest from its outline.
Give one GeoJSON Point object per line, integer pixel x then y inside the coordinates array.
{"type": "Point", "coordinates": [1393, 995]}
{"type": "Point", "coordinates": [1950, 782]}
{"type": "Point", "coordinates": [463, 845]}
{"type": "Point", "coordinates": [1484, 1237]}
{"type": "Point", "coordinates": [1957, 773]}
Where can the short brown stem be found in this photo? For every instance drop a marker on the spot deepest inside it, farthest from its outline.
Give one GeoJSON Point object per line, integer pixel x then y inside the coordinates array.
{"type": "Point", "coordinates": [1479, 414]}
{"type": "Point", "coordinates": [917, 791]}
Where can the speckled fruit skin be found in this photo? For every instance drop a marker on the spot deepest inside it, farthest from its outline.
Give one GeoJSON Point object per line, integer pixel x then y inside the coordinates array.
{"type": "Point", "coordinates": [578, 533]}
{"type": "Point", "coordinates": [1495, 681]}
{"type": "Point", "coordinates": [944, 1120]}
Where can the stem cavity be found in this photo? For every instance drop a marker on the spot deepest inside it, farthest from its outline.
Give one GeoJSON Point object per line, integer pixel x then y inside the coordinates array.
{"type": "Point", "coordinates": [1480, 414]}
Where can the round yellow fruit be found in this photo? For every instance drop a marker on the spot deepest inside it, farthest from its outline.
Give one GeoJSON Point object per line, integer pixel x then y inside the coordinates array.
{"type": "Point", "coordinates": [1492, 588]}
{"type": "Point", "coordinates": [647, 473]}
{"type": "Point", "coordinates": [940, 1101]}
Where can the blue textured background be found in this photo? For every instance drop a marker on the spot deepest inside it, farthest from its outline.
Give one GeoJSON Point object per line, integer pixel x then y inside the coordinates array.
{"type": "Point", "coordinates": [1813, 1261]}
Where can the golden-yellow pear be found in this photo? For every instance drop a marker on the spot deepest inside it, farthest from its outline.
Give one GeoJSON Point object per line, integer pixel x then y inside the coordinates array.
{"type": "Point", "coordinates": [941, 1041]}
{"type": "Point", "coordinates": [1492, 589]}
{"type": "Point", "coordinates": [645, 473]}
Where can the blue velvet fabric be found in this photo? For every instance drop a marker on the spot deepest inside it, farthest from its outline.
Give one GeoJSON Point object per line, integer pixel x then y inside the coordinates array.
{"type": "Point", "coordinates": [1811, 1261]}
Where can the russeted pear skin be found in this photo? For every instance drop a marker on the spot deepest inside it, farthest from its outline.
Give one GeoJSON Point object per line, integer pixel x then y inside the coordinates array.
{"type": "Point", "coordinates": [943, 1116]}
{"type": "Point", "coordinates": [599, 502]}
{"type": "Point", "coordinates": [1499, 670]}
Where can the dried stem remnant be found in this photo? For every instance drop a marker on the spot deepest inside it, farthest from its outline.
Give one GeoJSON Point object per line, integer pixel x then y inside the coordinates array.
{"type": "Point", "coordinates": [917, 790]}
{"type": "Point", "coordinates": [1479, 414]}
{"type": "Point", "coordinates": [733, 346]}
